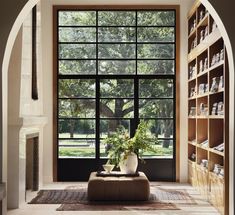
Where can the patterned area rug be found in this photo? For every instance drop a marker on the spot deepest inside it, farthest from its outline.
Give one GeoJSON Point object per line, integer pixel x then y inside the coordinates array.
{"type": "Point", "coordinates": [75, 199]}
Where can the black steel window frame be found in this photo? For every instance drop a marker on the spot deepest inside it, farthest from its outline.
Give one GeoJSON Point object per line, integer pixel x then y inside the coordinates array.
{"type": "Point", "coordinates": [136, 77]}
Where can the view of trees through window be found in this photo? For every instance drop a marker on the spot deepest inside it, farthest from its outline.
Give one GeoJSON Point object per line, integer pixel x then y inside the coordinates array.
{"type": "Point", "coordinates": [115, 68]}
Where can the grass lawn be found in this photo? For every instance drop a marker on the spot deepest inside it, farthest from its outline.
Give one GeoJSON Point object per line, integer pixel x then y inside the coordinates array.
{"type": "Point", "coordinates": [89, 152]}
{"type": "Point", "coordinates": [86, 148]}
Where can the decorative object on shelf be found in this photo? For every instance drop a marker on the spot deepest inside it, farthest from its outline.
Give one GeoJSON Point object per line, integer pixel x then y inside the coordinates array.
{"type": "Point", "coordinates": [193, 157]}
{"type": "Point", "coordinates": [206, 87]}
{"type": "Point", "coordinates": [220, 147]}
{"type": "Point", "coordinates": [214, 26]}
{"type": "Point", "coordinates": [206, 32]}
{"type": "Point", "coordinates": [193, 26]}
{"type": "Point", "coordinates": [203, 109]}
{"type": "Point", "coordinates": [217, 168]}
{"type": "Point", "coordinates": [215, 85]}
{"type": "Point", "coordinates": [221, 82]}
{"type": "Point", "coordinates": [202, 88]}
{"type": "Point", "coordinates": [108, 167]}
{"type": "Point", "coordinates": [218, 57]}
{"type": "Point", "coordinates": [191, 29]}
{"type": "Point", "coordinates": [205, 144]}
{"type": "Point", "coordinates": [193, 92]}
{"type": "Point", "coordinates": [192, 112]}
{"type": "Point", "coordinates": [213, 60]}
{"type": "Point", "coordinates": [192, 71]}
{"type": "Point", "coordinates": [201, 16]}
{"type": "Point", "coordinates": [194, 23]}
{"type": "Point", "coordinates": [194, 43]}
{"type": "Point", "coordinates": [221, 173]}
{"type": "Point", "coordinates": [205, 63]}
{"type": "Point", "coordinates": [201, 66]}
{"type": "Point", "coordinates": [204, 163]}
{"type": "Point", "coordinates": [201, 35]}
{"type": "Point", "coordinates": [220, 109]}
{"type": "Point", "coordinates": [124, 151]}
{"type": "Point", "coordinates": [221, 54]}
{"type": "Point", "coordinates": [214, 109]}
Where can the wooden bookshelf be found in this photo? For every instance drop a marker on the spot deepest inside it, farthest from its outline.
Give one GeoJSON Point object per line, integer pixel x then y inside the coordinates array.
{"type": "Point", "coordinates": [207, 108]}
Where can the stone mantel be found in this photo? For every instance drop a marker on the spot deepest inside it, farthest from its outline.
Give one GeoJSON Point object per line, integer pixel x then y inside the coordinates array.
{"type": "Point", "coordinates": [34, 121]}
{"type": "Point", "coordinates": [29, 121]}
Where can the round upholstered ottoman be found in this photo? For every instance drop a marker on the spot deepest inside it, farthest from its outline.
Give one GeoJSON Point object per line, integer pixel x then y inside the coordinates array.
{"type": "Point", "coordinates": [121, 188]}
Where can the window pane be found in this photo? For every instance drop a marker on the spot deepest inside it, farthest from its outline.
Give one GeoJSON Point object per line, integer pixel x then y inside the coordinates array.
{"type": "Point", "coordinates": [156, 108]}
{"type": "Point", "coordinates": [156, 34]}
{"type": "Point", "coordinates": [78, 67]}
{"type": "Point", "coordinates": [77, 34]}
{"type": "Point", "coordinates": [161, 128]}
{"type": "Point", "coordinates": [77, 51]}
{"type": "Point", "coordinates": [158, 51]}
{"type": "Point", "coordinates": [76, 88]}
{"type": "Point", "coordinates": [153, 88]}
{"type": "Point", "coordinates": [123, 108]}
{"type": "Point", "coordinates": [156, 18]}
{"type": "Point", "coordinates": [76, 128]}
{"type": "Point", "coordinates": [82, 108]}
{"type": "Point", "coordinates": [116, 18]}
{"type": "Point", "coordinates": [164, 149]}
{"type": "Point", "coordinates": [116, 34]}
{"type": "Point", "coordinates": [156, 67]}
{"type": "Point", "coordinates": [116, 88]}
{"type": "Point", "coordinates": [116, 51]}
{"type": "Point", "coordinates": [77, 148]}
{"type": "Point", "coordinates": [117, 67]}
{"type": "Point", "coordinates": [109, 126]}
{"type": "Point", "coordinates": [77, 18]}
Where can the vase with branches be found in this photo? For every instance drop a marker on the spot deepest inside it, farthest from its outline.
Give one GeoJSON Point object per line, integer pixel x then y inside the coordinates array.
{"type": "Point", "coordinates": [120, 147]}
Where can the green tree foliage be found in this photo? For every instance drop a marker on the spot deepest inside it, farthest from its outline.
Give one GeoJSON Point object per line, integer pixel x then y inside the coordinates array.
{"type": "Point", "coordinates": [77, 18]}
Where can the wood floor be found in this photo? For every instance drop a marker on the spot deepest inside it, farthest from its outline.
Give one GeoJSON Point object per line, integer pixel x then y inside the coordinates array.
{"type": "Point", "coordinates": [201, 208]}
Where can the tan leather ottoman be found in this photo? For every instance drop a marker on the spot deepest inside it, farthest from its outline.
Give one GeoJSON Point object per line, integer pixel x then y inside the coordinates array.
{"type": "Point", "coordinates": [118, 188]}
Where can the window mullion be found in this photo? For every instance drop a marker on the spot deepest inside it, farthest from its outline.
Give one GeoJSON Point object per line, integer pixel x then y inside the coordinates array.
{"type": "Point", "coordinates": [136, 86]}
{"type": "Point", "coordinates": [97, 96]}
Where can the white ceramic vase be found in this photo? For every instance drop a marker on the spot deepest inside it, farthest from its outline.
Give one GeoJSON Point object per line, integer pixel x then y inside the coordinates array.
{"type": "Point", "coordinates": [129, 164]}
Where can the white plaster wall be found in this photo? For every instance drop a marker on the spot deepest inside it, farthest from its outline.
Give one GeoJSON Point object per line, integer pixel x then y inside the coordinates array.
{"type": "Point", "coordinates": [14, 122]}
{"type": "Point", "coordinates": [47, 60]}
{"type": "Point", "coordinates": [4, 82]}
{"type": "Point", "coordinates": [24, 114]}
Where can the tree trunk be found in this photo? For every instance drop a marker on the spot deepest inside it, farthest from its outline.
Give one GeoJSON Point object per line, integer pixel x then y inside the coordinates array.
{"type": "Point", "coordinates": [72, 127]}
{"type": "Point", "coordinates": [118, 112]}
{"type": "Point", "coordinates": [167, 134]}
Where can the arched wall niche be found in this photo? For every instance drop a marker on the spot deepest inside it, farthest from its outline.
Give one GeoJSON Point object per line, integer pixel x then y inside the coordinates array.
{"type": "Point", "coordinates": [224, 9]}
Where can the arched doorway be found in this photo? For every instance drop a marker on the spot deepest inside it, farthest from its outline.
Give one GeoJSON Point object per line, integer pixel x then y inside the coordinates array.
{"type": "Point", "coordinates": [7, 54]}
